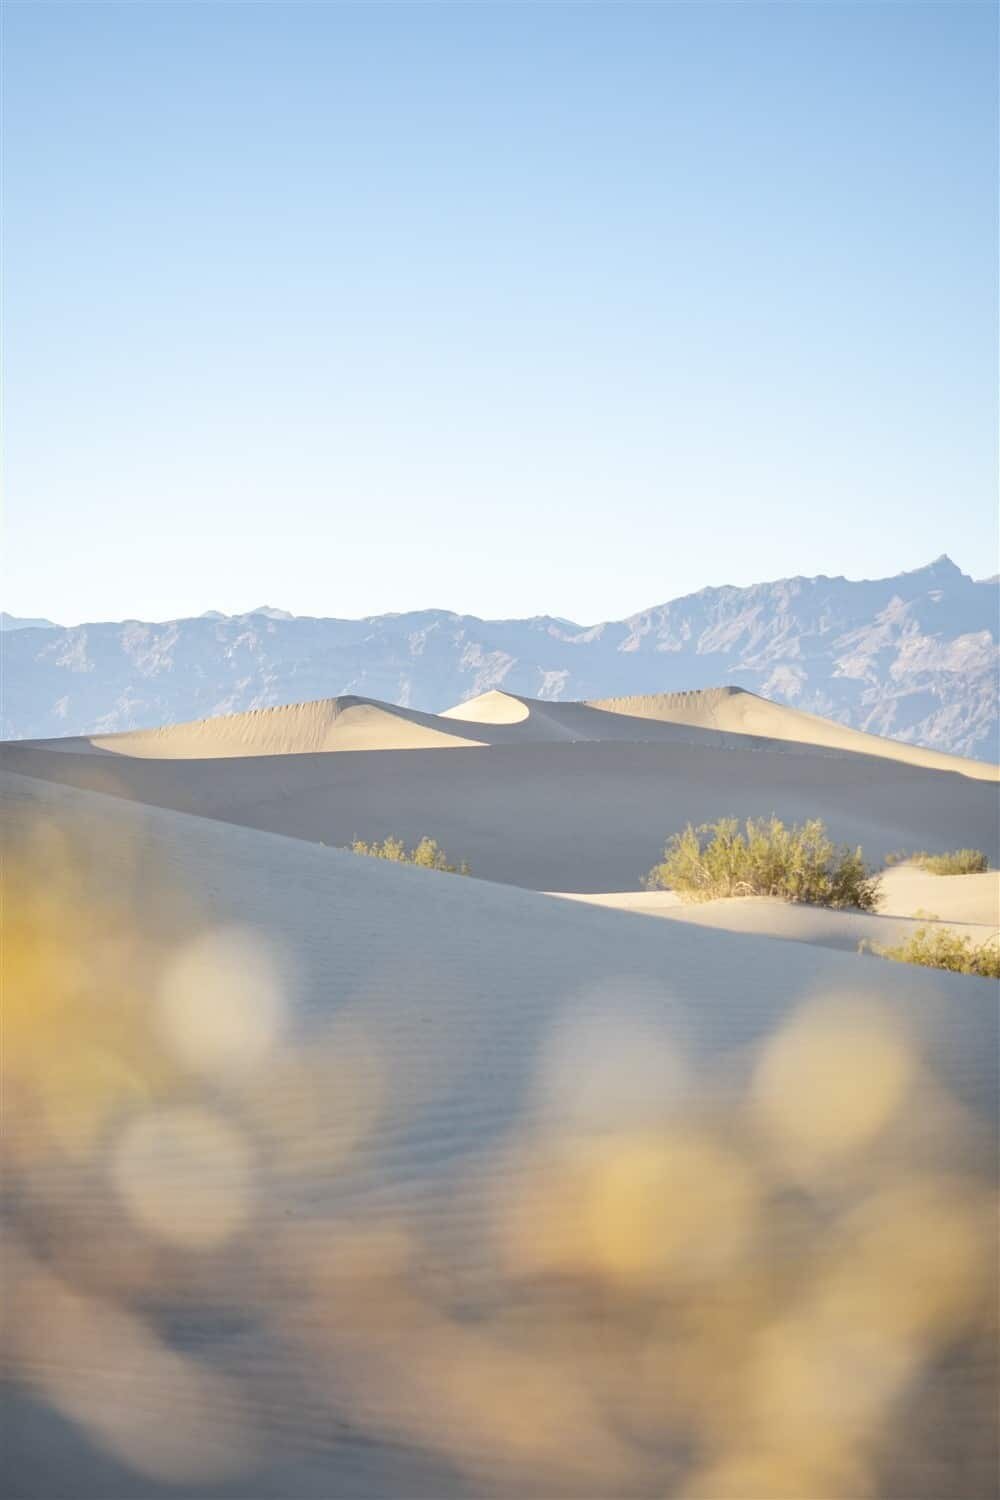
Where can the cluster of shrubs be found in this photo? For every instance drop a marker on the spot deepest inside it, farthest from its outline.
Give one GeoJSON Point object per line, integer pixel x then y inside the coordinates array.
{"type": "Point", "coordinates": [800, 863]}
{"type": "Point", "coordinates": [428, 854]}
{"type": "Point", "coordinates": [957, 862]}
{"type": "Point", "coordinates": [941, 948]}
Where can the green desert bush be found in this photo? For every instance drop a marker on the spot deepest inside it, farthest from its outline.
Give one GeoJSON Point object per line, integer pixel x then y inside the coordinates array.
{"type": "Point", "coordinates": [428, 854]}
{"type": "Point", "coordinates": [957, 862]}
{"type": "Point", "coordinates": [944, 949]}
{"type": "Point", "coordinates": [800, 863]}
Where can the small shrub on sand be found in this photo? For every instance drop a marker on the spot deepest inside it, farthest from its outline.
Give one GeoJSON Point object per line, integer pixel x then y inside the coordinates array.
{"type": "Point", "coordinates": [957, 862]}
{"type": "Point", "coordinates": [944, 949]}
{"type": "Point", "coordinates": [428, 854]}
{"type": "Point", "coordinates": [800, 863]}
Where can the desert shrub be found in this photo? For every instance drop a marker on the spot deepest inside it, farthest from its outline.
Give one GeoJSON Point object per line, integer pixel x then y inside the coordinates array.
{"type": "Point", "coordinates": [800, 863]}
{"type": "Point", "coordinates": [943, 949]}
{"type": "Point", "coordinates": [428, 854]}
{"type": "Point", "coordinates": [957, 862]}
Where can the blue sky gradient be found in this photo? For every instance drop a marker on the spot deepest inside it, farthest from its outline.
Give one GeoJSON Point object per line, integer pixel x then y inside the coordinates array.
{"type": "Point", "coordinates": [511, 308]}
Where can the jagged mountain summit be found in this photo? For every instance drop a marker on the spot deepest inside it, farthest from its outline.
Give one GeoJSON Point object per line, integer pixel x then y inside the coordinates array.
{"type": "Point", "coordinates": [913, 657]}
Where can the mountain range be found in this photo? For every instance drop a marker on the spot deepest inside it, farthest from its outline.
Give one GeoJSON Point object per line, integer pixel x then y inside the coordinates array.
{"type": "Point", "coordinates": [913, 657]}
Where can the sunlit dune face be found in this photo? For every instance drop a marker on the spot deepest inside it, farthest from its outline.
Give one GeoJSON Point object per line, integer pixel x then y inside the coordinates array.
{"type": "Point", "coordinates": [490, 708]}
{"type": "Point", "coordinates": [644, 1278]}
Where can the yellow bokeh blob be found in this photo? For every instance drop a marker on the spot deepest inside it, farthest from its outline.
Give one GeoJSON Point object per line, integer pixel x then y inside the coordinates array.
{"type": "Point", "coordinates": [831, 1080]}
{"type": "Point", "coordinates": [185, 1176]}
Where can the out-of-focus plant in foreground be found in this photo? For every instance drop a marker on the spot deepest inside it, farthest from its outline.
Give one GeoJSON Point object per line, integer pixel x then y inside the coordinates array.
{"type": "Point", "coordinates": [654, 1280]}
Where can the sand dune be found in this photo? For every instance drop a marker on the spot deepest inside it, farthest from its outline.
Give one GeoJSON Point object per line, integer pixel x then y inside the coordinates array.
{"type": "Point", "coordinates": [464, 1017]}
{"type": "Point", "coordinates": [354, 724]}
{"type": "Point", "coordinates": [719, 718]}
{"type": "Point", "coordinates": [737, 711]}
{"type": "Point", "coordinates": [540, 720]}
{"type": "Point", "coordinates": [494, 707]}
{"type": "Point", "coordinates": [328, 724]}
{"type": "Point", "coordinates": [971, 913]}
{"type": "Point", "coordinates": [551, 815]}
{"type": "Point", "coordinates": [908, 891]}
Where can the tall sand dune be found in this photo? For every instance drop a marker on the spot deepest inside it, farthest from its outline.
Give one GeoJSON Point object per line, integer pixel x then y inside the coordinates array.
{"type": "Point", "coordinates": [541, 720]}
{"type": "Point", "coordinates": [347, 723]}
{"type": "Point", "coordinates": [718, 718]}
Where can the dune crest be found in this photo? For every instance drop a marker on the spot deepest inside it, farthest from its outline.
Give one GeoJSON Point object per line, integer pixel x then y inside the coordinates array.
{"type": "Point", "coordinates": [328, 724]}
{"type": "Point", "coordinates": [735, 710]}
{"type": "Point", "coordinates": [494, 707]}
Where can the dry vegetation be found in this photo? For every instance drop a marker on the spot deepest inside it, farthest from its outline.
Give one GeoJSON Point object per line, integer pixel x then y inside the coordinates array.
{"type": "Point", "coordinates": [955, 862]}
{"type": "Point", "coordinates": [800, 863]}
{"type": "Point", "coordinates": [427, 854]}
{"type": "Point", "coordinates": [942, 948]}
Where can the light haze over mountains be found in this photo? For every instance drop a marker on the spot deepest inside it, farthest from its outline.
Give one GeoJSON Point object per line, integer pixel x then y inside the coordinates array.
{"type": "Point", "coordinates": [913, 657]}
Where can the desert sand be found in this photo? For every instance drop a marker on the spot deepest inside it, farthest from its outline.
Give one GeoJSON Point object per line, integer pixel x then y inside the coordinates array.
{"type": "Point", "coordinates": [741, 712]}
{"type": "Point", "coordinates": [295, 729]}
{"type": "Point", "coordinates": [711, 717]}
{"type": "Point", "coordinates": [911, 898]}
{"type": "Point", "coordinates": [356, 1173]}
{"type": "Point", "coordinates": [564, 798]}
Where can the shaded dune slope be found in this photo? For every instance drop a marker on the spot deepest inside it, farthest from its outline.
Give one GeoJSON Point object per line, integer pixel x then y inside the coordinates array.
{"type": "Point", "coordinates": [550, 816]}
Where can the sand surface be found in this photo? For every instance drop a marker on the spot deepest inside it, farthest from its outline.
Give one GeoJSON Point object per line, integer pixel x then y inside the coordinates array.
{"type": "Point", "coordinates": [972, 911]}
{"type": "Point", "coordinates": [400, 1066]}
{"type": "Point", "coordinates": [293, 729]}
{"type": "Point", "coordinates": [457, 990]}
{"type": "Point", "coordinates": [740, 712]}
{"type": "Point", "coordinates": [584, 816]}
{"type": "Point", "coordinates": [908, 891]}
{"type": "Point", "coordinates": [721, 718]}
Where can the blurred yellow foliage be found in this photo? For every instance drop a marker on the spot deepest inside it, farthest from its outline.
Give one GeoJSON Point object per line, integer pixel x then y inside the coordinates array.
{"type": "Point", "coordinates": [734, 1291]}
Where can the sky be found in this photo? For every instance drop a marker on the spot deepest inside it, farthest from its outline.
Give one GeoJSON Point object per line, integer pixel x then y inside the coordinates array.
{"type": "Point", "coordinates": [503, 308]}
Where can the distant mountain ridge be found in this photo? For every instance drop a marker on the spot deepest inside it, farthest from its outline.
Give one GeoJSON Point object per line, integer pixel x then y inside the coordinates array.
{"type": "Point", "coordinates": [913, 657]}
{"type": "Point", "coordinates": [13, 622]}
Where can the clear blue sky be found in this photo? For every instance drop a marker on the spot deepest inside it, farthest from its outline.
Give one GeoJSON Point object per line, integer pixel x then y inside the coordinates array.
{"type": "Point", "coordinates": [507, 308]}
